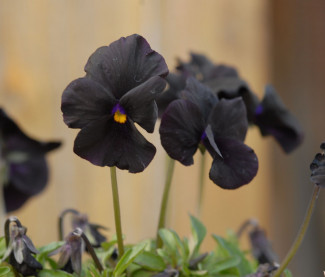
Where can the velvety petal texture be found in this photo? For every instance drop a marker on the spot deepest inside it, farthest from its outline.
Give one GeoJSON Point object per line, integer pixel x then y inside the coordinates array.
{"type": "Point", "coordinates": [200, 95]}
{"type": "Point", "coordinates": [84, 101]}
{"type": "Point", "coordinates": [108, 143]}
{"type": "Point", "coordinates": [198, 118]}
{"type": "Point", "coordinates": [120, 89]}
{"type": "Point", "coordinates": [181, 128]}
{"type": "Point", "coordinates": [125, 64]}
{"type": "Point", "coordinates": [24, 161]}
{"type": "Point", "coordinates": [237, 167]}
{"type": "Point", "coordinates": [228, 119]}
{"type": "Point", "coordinates": [139, 102]}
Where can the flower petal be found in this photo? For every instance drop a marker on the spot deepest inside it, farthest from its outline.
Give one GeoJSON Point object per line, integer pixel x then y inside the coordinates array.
{"type": "Point", "coordinates": [85, 100]}
{"type": "Point", "coordinates": [30, 176]}
{"type": "Point", "coordinates": [139, 103]}
{"type": "Point", "coordinates": [228, 119]}
{"type": "Point", "coordinates": [176, 83]}
{"type": "Point", "coordinates": [181, 128]}
{"type": "Point", "coordinates": [14, 139]}
{"type": "Point", "coordinates": [125, 64]}
{"type": "Point", "coordinates": [237, 167]}
{"type": "Point", "coordinates": [273, 118]}
{"type": "Point", "coordinates": [108, 143]}
{"type": "Point", "coordinates": [200, 95]}
{"type": "Point", "coordinates": [14, 198]}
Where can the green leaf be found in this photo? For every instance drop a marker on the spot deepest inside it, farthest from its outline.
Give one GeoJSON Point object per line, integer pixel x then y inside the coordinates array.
{"type": "Point", "coordinates": [53, 273]}
{"type": "Point", "coordinates": [6, 271]}
{"type": "Point", "coordinates": [227, 249]}
{"type": "Point", "coordinates": [225, 264]}
{"type": "Point", "coordinates": [150, 261]}
{"type": "Point", "coordinates": [128, 257]}
{"type": "Point", "coordinates": [142, 273]}
{"type": "Point", "coordinates": [198, 232]}
{"type": "Point", "coordinates": [50, 247]}
{"type": "Point", "coordinates": [3, 246]}
{"type": "Point", "coordinates": [287, 273]}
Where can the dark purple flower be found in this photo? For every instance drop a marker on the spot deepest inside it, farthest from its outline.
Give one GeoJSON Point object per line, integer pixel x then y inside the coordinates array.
{"type": "Point", "coordinates": [22, 159]}
{"type": "Point", "coordinates": [176, 83]}
{"type": "Point", "coordinates": [119, 90]}
{"type": "Point", "coordinates": [261, 247]}
{"type": "Point", "coordinates": [90, 230]}
{"type": "Point", "coordinates": [223, 80]}
{"type": "Point", "coordinates": [317, 168]}
{"type": "Point", "coordinates": [198, 118]}
{"type": "Point", "coordinates": [70, 253]}
{"type": "Point", "coordinates": [273, 118]}
{"type": "Point", "coordinates": [19, 250]}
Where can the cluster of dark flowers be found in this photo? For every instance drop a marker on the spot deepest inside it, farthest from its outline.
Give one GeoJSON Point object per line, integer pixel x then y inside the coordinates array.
{"type": "Point", "coordinates": [201, 105]}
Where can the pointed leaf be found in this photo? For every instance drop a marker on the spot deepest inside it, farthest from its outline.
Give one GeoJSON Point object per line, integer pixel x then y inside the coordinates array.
{"type": "Point", "coordinates": [198, 232]}
{"type": "Point", "coordinates": [150, 261]}
{"type": "Point", "coordinates": [128, 257]}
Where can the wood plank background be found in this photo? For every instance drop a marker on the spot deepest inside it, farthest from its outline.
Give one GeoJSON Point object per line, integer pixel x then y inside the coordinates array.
{"type": "Point", "coordinates": [45, 44]}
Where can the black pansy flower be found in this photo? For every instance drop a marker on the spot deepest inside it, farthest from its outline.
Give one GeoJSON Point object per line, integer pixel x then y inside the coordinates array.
{"type": "Point", "coordinates": [220, 126]}
{"type": "Point", "coordinates": [19, 250]}
{"type": "Point", "coordinates": [22, 163]}
{"type": "Point", "coordinates": [119, 90]}
{"type": "Point", "coordinates": [317, 168]}
{"type": "Point", "coordinates": [223, 80]}
{"type": "Point", "coordinates": [273, 118]}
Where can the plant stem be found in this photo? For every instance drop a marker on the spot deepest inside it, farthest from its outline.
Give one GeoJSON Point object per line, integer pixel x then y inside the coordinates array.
{"type": "Point", "coordinates": [163, 207]}
{"type": "Point", "coordinates": [61, 237]}
{"type": "Point", "coordinates": [3, 212]}
{"type": "Point", "coordinates": [90, 249]}
{"type": "Point", "coordinates": [300, 234]}
{"type": "Point", "coordinates": [201, 185]}
{"type": "Point", "coordinates": [117, 213]}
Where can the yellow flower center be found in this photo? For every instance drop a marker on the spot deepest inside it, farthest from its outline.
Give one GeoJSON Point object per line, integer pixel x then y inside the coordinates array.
{"type": "Point", "coordinates": [119, 117]}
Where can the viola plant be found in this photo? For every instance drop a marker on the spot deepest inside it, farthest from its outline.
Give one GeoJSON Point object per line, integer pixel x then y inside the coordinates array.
{"type": "Point", "coordinates": [205, 107]}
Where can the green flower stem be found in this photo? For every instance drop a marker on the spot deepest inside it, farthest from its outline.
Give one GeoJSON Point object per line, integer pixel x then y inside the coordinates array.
{"type": "Point", "coordinates": [301, 233]}
{"type": "Point", "coordinates": [61, 221]}
{"type": "Point", "coordinates": [117, 213]}
{"type": "Point", "coordinates": [163, 207]}
{"type": "Point", "coordinates": [201, 185]}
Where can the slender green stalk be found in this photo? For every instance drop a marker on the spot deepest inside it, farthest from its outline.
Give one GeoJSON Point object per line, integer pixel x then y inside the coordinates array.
{"type": "Point", "coordinates": [300, 234]}
{"type": "Point", "coordinates": [163, 207]}
{"type": "Point", "coordinates": [117, 213]}
{"type": "Point", "coordinates": [201, 185]}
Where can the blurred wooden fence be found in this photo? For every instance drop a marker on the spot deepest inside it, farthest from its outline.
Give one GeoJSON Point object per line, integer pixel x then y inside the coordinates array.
{"type": "Point", "coordinates": [45, 44]}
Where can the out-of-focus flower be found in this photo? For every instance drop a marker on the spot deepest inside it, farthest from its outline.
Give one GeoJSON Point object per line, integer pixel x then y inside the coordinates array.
{"type": "Point", "coordinates": [119, 89]}
{"type": "Point", "coordinates": [261, 247]}
{"type": "Point", "coordinates": [70, 253]}
{"type": "Point", "coordinates": [220, 126]}
{"type": "Point", "coordinates": [90, 230]}
{"type": "Point", "coordinates": [273, 118]}
{"type": "Point", "coordinates": [317, 168]}
{"type": "Point", "coordinates": [22, 163]}
{"type": "Point", "coordinates": [19, 250]}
